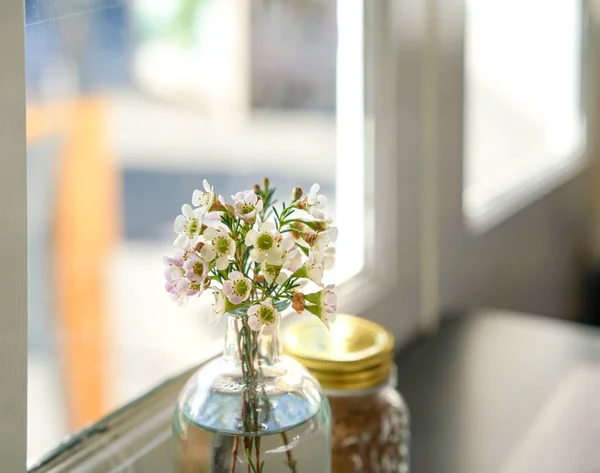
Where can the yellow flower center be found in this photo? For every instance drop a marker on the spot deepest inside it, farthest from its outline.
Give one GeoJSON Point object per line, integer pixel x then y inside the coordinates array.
{"type": "Point", "coordinates": [241, 287]}
{"type": "Point", "coordinates": [266, 315]}
{"type": "Point", "coordinates": [222, 244]}
{"type": "Point", "coordinates": [264, 242]}
{"type": "Point", "coordinates": [193, 227]}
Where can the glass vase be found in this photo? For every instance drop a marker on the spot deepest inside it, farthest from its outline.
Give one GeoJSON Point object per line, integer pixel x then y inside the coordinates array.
{"type": "Point", "coordinates": [252, 410]}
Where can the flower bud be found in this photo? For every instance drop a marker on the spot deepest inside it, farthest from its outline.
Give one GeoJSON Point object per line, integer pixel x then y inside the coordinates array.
{"type": "Point", "coordinates": [199, 246]}
{"type": "Point", "coordinates": [296, 194]}
{"type": "Point", "coordinates": [256, 189]}
{"type": "Point", "coordinates": [320, 226]}
{"type": "Point", "coordinates": [217, 206]}
{"type": "Point", "coordinates": [265, 182]}
{"type": "Point", "coordinates": [259, 278]}
{"type": "Point", "coordinates": [298, 226]}
{"type": "Point", "coordinates": [230, 208]}
{"type": "Point", "coordinates": [310, 238]}
{"type": "Point", "coordinates": [298, 302]}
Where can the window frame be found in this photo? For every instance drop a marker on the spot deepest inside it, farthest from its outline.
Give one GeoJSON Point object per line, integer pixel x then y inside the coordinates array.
{"type": "Point", "coordinates": [13, 239]}
{"type": "Point", "coordinates": [389, 288]}
{"type": "Point", "coordinates": [516, 198]}
{"type": "Point", "coordinates": [473, 269]}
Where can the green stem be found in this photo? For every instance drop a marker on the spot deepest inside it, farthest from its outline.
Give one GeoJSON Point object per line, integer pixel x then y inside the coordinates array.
{"type": "Point", "coordinates": [234, 453]}
{"type": "Point", "coordinates": [251, 367]}
{"type": "Point", "coordinates": [248, 406]}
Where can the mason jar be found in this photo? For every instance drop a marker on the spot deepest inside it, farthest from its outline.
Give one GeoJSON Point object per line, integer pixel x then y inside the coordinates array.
{"type": "Point", "coordinates": [354, 365]}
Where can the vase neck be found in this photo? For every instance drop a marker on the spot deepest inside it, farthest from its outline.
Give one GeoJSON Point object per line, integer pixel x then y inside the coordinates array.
{"type": "Point", "coordinates": [267, 348]}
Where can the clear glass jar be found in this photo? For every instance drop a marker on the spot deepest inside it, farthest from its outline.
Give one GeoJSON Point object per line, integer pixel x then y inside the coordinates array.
{"type": "Point", "coordinates": [354, 364]}
{"type": "Point", "coordinates": [269, 416]}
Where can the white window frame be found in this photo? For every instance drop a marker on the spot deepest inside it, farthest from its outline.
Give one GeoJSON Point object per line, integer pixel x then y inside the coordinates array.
{"type": "Point", "coordinates": [389, 289]}
{"type": "Point", "coordinates": [13, 239]}
{"type": "Point", "coordinates": [481, 218]}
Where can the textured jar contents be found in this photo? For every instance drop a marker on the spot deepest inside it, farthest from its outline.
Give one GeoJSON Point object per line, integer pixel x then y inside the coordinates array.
{"type": "Point", "coordinates": [370, 432]}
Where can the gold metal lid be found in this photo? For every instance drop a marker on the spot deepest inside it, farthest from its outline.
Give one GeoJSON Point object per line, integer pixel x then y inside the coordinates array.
{"type": "Point", "coordinates": [356, 354]}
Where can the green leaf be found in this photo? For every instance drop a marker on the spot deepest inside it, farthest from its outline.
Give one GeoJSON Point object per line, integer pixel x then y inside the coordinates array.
{"type": "Point", "coordinates": [315, 297]}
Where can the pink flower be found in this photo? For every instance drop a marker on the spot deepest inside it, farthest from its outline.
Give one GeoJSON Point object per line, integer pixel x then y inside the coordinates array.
{"type": "Point", "coordinates": [195, 269]}
{"type": "Point", "coordinates": [174, 266]}
{"type": "Point", "coordinates": [176, 283]}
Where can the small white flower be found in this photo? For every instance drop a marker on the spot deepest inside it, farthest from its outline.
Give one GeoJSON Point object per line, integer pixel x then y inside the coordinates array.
{"type": "Point", "coordinates": [283, 250]}
{"type": "Point", "coordinates": [284, 256]}
{"type": "Point", "coordinates": [293, 260]}
{"type": "Point", "coordinates": [316, 202]}
{"type": "Point", "coordinates": [263, 315]}
{"type": "Point", "coordinates": [188, 225]}
{"type": "Point", "coordinates": [323, 304]}
{"type": "Point", "coordinates": [328, 257]}
{"type": "Point", "coordinates": [329, 299]}
{"type": "Point", "coordinates": [237, 288]}
{"type": "Point", "coordinates": [325, 238]}
{"type": "Point", "coordinates": [263, 241]}
{"type": "Point", "coordinates": [315, 267]}
{"type": "Point", "coordinates": [204, 200]}
{"type": "Point", "coordinates": [219, 305]}
{"type": "Point", "coordinates": [273, 273]}
{"type": "Point", "coordinates": [247, 205]}
{"type": "Point", "coordinates": [328, 318]}
{"type": "Point", "coordinates": [219, 245]}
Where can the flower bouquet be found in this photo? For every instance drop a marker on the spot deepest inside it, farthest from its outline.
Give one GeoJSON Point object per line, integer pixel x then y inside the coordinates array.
{"type": "Point", "coordinates": [257, 258]}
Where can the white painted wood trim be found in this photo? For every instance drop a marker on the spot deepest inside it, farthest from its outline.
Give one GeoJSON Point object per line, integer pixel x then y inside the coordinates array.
{"type": "Point", "coordinates": [13, 239]}
{"type": "Point", "coordinates": [379, 275]}
{"type": "Point", "coordinates": [136, 438]}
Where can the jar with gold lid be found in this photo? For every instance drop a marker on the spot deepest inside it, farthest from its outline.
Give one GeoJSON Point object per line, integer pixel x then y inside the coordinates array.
{"type": "Point", "coordinates": [354, 365]}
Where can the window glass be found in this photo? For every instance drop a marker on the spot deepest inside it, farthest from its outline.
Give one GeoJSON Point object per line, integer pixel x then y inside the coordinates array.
{"type": "Point", "coordinates": [130, 105]}
{"type": "Point", "coordinates": [523, 103]}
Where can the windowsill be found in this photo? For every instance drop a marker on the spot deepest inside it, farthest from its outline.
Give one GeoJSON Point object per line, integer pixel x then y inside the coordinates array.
{"type": "Point", "coordinates": [484, 210]}
{"type": "Point", "coordinates": [139, 431]}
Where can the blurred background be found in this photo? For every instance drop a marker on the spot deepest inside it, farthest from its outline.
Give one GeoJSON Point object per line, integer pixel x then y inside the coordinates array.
{"type": "Point", "coordinates": [131, 104]}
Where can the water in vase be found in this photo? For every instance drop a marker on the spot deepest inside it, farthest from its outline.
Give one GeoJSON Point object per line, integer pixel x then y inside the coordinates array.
{"type": "Point", "coordinates": [301, 449]}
